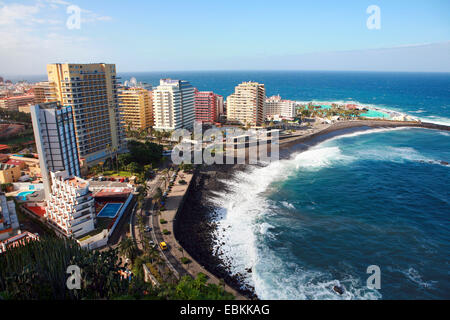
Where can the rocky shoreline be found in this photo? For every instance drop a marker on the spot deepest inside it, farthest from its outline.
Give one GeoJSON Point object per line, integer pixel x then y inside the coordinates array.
{"type": "Point", "coordinates": [196, 231]}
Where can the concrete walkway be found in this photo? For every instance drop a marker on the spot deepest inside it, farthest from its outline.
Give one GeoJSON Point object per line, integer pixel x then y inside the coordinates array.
{"type": "Point", "coordinates": [173, 202]}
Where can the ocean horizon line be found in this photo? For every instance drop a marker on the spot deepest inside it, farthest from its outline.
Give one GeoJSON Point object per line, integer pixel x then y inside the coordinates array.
{"type": "Point", "coordinates": [252, 70]}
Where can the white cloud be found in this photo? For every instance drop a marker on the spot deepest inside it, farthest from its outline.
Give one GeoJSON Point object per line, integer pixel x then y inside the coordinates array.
{"type": "Point", "coordinates": [13, 13]}
{"type": "Point", "coordinates": [34, 35]}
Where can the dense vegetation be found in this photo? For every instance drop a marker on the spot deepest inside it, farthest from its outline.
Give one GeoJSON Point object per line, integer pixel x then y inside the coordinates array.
{"type": "Point", "coordinates": [142, 153]}
{"type": "Point", "coordinates": [15, 116]}
{"type": "Point", "coordinates": [37, 271]}
{"type": "Point", "coordinates": [140, 160]}
{"type": "Point", "coordinates": [335, 110]}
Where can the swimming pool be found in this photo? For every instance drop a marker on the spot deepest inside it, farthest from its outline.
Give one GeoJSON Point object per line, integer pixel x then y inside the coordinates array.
{"type": "Point", "coordinates": [23, 195]}
{"type": "Point", "coordinates": [368, 114]}
{"type": "Point", "coordinates": [375, 114]}
{"type": "Point", "coordinates": [110, 210]}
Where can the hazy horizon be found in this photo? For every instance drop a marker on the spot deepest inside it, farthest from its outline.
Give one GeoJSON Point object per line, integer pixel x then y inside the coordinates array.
{"type": "Point", "coordinates": [20, 77]}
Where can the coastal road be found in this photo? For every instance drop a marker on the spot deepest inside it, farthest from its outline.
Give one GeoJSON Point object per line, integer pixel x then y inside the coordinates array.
{"type": "Point", "coordinates": [151, 220]}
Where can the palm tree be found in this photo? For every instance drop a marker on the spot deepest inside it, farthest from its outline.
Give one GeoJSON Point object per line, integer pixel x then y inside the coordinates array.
{"type": "Point", "coordinates": [165, 177]}
{"type": "Point", "coordinates": [128, 248]}
{"type": "Point", "coordinates": [158, 195]}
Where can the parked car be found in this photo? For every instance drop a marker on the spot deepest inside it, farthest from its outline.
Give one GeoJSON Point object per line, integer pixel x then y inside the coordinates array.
{"type": "Point", "coordinates": [127, 180]}
{"type": "Point", "coordinates": [122, 180]}
{"type": "Point", "coordinates": [147, 229]}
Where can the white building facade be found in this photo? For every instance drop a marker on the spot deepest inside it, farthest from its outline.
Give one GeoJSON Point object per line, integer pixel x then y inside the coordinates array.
{"type": "Point", "coordinates": [56, 143]}
{"type": "Point", "coordinates": [173, 105]}
{"type": "Point", "coordinates": [70, 205]}
{"type": "Point", "coordinates": [275, 106]}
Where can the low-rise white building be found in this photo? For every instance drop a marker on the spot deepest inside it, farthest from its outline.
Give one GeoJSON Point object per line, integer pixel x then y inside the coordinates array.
{"type": "Point", "coordinates": [70, 205]}
{"type": "Point", "coordinates": [275, 106]}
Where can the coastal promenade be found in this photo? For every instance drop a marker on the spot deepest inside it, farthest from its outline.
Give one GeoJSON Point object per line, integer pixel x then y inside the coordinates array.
{"type": "Point", "coordinates": [173, 204]}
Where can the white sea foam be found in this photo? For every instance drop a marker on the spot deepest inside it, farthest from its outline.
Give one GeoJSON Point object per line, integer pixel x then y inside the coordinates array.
{"type": "Point", "coordinates": [394, 154]}
{"type": "Point", "coordinates": [241, 230]}
{"type": "Point", "coordinates": [417, 111]}
{"type": "Point", "coordinates": [287, 205]}
{"type": "Point", "coordinates": [240, 209]}
{"type": "Point", "coordinates": [436, 119]}
{"type": "Point", "coordinates": [414, 275]}
{"type": "Point", "coordinates": [365, 132]}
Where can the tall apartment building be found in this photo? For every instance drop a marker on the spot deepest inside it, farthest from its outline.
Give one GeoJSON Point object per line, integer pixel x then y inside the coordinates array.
{"type": "Point", "coordinates": [91, 90]}
{"type": "Point", "coordinates": [207, 106]}
{"type": "Point", "coordinates": [277, 106]}
{"type": "Point", "coordinates": [136, 107]}
{"type": "Point", "coordinates": [246, 104]}
{"type": "Point", "coordinates": [43, 92]}
{"type": "Point", "coordinates": [173, 105]}
{"type": "Point", "coordinates": [70, 206]}
{"type": "Point", "coordinates": [54, 132]}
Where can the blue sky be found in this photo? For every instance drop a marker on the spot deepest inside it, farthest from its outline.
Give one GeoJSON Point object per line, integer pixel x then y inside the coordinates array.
{"type": "Point", "coordinates": [225, 35]}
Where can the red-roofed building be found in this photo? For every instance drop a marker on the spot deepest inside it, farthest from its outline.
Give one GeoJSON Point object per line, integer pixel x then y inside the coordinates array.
{"type": "Point", "coordinates": [17, 163]}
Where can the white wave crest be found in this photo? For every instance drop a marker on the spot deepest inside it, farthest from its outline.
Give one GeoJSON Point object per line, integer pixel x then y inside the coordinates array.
{"type": "Point", "coordinates": [414, 275]}
{"type": "Point", "coordinates": [239, 225]}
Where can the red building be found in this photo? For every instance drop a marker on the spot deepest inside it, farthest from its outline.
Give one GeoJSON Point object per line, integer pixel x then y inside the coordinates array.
{"type": "Point", "coordinates": [208, 105]}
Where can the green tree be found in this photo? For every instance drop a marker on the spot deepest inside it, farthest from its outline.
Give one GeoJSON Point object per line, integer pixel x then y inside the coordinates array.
{"type": "Point", "coordinates": [128, 248]}
{"type": "Point", "coordinates": [37, 270]}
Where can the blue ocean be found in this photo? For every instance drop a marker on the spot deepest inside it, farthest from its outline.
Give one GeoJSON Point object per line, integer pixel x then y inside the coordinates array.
{"type": "Point", "coordinates": [320, 218]}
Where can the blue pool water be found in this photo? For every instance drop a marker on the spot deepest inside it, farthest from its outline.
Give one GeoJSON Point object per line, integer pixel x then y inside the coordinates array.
{"type": "Point", "coordinates": [110, 210]}
{"type": "Point", "coordinates": [23, 195]}
{"type": "Point", "coordinates": [368, 114]}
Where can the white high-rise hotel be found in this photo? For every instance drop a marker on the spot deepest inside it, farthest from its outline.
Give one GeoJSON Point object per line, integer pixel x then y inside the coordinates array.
{"type": "Point", "coordinates": [173, 105]}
